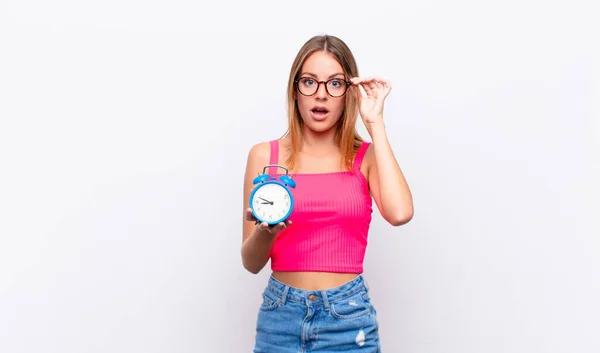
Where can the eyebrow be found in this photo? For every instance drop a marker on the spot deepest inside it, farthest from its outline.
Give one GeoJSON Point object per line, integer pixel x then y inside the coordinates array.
{"type": "Point", "coordinates": [315, 76]}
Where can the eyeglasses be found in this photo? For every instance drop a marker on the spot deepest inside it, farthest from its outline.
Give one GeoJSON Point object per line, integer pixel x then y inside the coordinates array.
{"type": "Point", "coordinates": [335, 87]}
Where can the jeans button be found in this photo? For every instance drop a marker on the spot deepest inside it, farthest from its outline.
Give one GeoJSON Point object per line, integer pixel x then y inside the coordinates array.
{"type": "Point", "coordinates": [312, 297]}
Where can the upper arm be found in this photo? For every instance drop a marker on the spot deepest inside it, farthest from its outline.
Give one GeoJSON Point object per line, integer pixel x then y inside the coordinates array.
{"type": "Point", "coordinates": [258, 158]}
{"type": "Point", "coordinates": [373, 177]}
{"type": "Point", "coordinates": [398, 200]}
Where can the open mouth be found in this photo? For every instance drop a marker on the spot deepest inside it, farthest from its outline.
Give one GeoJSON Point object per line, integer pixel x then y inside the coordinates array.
{"type": "Point", "coordinates": [319, 112]}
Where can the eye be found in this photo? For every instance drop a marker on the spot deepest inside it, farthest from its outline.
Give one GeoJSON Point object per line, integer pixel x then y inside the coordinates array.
{"type": "Point", "coordinates": [337, 83]}
{"type": "Point", "coordinates": [307, 81]}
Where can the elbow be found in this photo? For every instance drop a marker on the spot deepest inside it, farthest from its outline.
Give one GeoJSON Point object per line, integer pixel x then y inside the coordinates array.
{"type": "Point", "coordinates": [252, 270]}
{"type": "Point", "coordinates": [246, 263]}
{"type": "Point", "coordinates": [251, 263]}
{"type": "Point", "coordinates": [401, 218]}
{"type": "Point", "coordinates": [251, 267]}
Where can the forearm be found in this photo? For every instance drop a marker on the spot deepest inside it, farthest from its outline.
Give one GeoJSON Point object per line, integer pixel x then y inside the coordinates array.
{"type": "Point", "coordinates": [256, 250]}
{"type": "Point", "coordinates": [395, 195]}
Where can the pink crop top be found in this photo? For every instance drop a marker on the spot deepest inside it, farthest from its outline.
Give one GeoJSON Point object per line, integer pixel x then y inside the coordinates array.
{"type": "Point", "coordinates": [330, 220]}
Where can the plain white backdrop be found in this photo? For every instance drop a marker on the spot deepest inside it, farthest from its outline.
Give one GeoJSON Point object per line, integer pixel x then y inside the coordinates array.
{"type": "Point", "coordinates": [125, 127]}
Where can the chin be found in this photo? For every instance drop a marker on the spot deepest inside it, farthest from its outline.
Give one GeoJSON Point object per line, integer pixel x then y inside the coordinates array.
{"type": "Point", "coordinates": [321, 126]}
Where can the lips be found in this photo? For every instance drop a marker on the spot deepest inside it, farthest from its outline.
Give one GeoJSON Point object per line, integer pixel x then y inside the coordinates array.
{"type": "Point", "coordinates": [319, 112]}
{"type": "Point", "coordinates": [319, 109]}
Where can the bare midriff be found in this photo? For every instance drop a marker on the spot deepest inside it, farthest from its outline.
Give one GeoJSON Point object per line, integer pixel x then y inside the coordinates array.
{"type": "Point", "coordinates": [314, 280]}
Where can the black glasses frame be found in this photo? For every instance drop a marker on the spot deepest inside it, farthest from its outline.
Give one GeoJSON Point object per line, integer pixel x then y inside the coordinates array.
{"type": "Point", "coordinates": [348, 84]}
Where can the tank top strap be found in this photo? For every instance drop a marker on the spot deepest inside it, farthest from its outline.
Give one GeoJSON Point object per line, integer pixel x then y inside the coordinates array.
{"type": "Point", "coordinates": [274, 158]}
{"type": "Point", "coordinates": [360, 154]}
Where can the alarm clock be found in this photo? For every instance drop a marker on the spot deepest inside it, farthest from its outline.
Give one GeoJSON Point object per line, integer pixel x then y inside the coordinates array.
{"type": "Point", "coordinates": [271, 200]}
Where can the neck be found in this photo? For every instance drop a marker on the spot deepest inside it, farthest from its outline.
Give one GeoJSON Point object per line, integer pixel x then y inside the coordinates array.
{"type": "Point", "coordinates": [322, 141]}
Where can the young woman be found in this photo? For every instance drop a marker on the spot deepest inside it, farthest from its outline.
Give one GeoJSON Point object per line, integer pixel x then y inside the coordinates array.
{"type": "Point", "coordinates": [316, 299]}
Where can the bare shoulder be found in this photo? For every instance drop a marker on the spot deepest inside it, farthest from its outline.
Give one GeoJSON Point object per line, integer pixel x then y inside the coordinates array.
{"type": "Point", "coordinates": [258, 156]}
{"type": "Point", "coordinates": [259, 152]}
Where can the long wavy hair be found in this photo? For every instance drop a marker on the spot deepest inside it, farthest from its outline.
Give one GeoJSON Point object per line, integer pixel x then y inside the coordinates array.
{"type": "Point", "coordinates": [347, 138]}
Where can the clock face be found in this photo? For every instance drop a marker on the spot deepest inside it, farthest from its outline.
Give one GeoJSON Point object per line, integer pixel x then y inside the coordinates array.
{"type": "Point", "coordinates": [271, 202]}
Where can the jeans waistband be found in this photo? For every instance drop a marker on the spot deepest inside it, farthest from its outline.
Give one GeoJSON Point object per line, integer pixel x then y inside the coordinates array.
{"type": "Point", "coordinates": [288, 293]}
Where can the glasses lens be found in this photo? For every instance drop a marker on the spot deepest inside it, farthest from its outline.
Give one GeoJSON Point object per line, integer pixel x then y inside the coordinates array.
{"type": "Point", "coordinates": [336, 87]}
{"type": "Point", "coordinates": [307, 86]}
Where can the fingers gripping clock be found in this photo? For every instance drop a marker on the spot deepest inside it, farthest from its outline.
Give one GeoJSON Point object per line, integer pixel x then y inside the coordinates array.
{"type": "Point", "coordinates": [271, 200]}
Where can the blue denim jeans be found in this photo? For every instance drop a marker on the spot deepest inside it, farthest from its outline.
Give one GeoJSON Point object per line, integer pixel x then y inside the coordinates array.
{"type": "Point", "coordinates": [340, 319]}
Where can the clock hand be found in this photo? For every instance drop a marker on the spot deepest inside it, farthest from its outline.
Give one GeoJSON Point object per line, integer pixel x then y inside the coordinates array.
{"type": "Point", "coordinates": [267, 201]}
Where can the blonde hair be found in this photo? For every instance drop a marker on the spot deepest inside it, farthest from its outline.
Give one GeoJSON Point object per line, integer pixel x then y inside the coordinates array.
{"type": "Point", "coordinates": [347, 138]}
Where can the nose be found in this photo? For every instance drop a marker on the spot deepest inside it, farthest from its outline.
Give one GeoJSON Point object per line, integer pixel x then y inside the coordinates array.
{"type": "Point", "coordinates": [321, 90]}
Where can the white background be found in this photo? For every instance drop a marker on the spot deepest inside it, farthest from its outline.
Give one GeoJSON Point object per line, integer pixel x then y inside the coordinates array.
{"type": "Point", "coordinates": [124, 131]}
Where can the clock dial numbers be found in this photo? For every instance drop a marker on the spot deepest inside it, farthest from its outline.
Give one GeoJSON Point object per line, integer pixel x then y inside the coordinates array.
{"type": "Point", "coordinates": [272, 202]}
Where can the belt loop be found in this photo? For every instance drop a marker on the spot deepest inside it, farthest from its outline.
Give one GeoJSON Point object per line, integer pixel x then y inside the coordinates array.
{"type": "Point", "coordinates": [284, 295]}
{"type": "Point", "coordinates": [325, 299]}
{"type": "Point", "coordinates": [365, 282]}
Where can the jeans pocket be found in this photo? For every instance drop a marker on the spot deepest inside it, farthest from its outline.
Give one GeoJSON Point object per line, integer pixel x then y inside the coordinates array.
{"type": "Point", "coordinates": [352, 307]}
{"type": "Point", "coordinates": [270, 301]}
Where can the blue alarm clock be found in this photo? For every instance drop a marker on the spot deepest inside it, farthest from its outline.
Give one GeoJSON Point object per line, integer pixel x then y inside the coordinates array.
{"type": "Point", "coordinates": [271, 200]}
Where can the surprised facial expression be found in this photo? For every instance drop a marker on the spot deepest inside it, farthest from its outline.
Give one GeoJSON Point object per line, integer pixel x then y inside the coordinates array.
{"type": "Point", "coordinates": [319, 110]}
